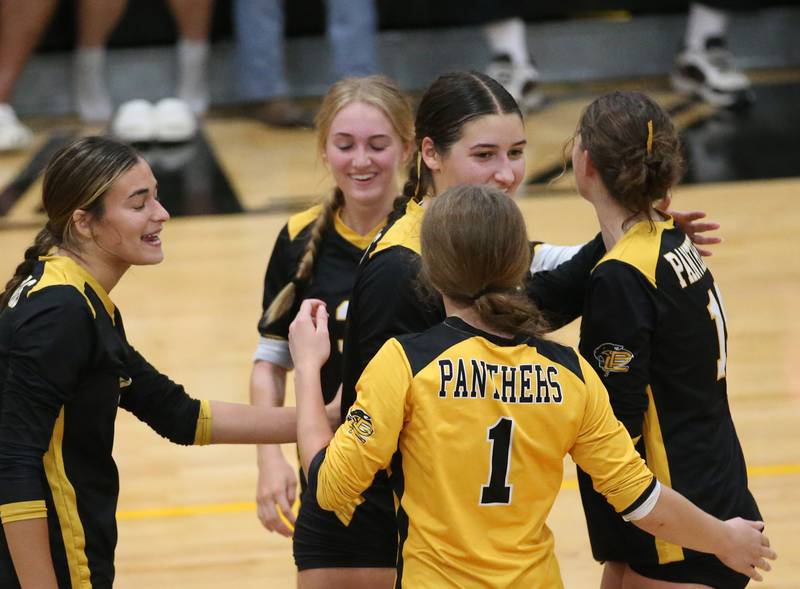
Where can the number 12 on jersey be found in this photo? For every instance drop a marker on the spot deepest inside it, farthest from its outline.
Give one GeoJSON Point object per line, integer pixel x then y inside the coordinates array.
{"type": "Point", "coordinates": [497, 491]}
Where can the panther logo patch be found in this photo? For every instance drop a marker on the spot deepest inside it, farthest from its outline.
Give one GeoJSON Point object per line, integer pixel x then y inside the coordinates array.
{"type": "Point", "coordinates": [360, 425]}
{"type": "Point", "coordinates": [613, 358]}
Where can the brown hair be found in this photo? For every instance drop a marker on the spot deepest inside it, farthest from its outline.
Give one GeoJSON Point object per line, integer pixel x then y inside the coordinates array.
{"type": "Point", "coordinates": [634, 146]}
{"type": "Point", "coordinates": [475, 250]}
{"type": "Point", "coordinates": [451, 102]}
{"type": "Point", "coordinates": [77, 178]}
{"type": "Point", "coordinates": [377, 91]}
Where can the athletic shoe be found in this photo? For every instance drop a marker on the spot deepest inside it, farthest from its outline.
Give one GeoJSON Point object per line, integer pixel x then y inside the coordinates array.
{"type": "Point", "coordinates": [521, 81]}
{"type": "Point", "coordinates": [13, 134]}
{"type": "Point", "coordinates": [135, 122]}
{"type": "Point", "coordinates": [174, 121]}
{"type": "Point", "coordinates": [712, 75]}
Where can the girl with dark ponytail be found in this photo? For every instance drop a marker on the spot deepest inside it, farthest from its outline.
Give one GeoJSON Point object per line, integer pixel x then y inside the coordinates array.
{"type": "Point", "coordinates": [364, 135]}
{"type": "Point", "coordinates": [468, 130]}
{"type": "Point", "coordinates": [66, 366]}
{"type": "Point", "coordinates": [476, 415]}
{"type": "Point", "coordinates": [654, 330]}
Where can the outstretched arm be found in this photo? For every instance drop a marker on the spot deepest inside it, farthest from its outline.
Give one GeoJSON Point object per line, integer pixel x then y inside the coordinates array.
{"type": "Point", "coordinates": [737, 542]}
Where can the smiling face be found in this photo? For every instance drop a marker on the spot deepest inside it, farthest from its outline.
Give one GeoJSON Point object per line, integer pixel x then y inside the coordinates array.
{"type": "Point", "coordinates": [489, 152]}
{"type": "Point", "coordinates": [364, 153]}
{"type": "Point", "coordinates": [127, 233]}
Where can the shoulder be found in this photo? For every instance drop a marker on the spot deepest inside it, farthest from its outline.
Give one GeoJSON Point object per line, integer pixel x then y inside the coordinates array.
{"type": "Point", "coordinates": [423, 348]}
{"type": "Point", "coordinates": [556, 353]}
{"type": "Point", "coordinates": [297, 224]}
{"type": "Point", "coordinates": [404, 232]}
{"type": "Point", "coordinates": [639, 249]}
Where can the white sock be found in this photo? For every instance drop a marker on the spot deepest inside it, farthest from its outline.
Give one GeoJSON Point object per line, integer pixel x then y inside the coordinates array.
{"type": "Point", "coordinates": [704, 22]}
{"type": "Point", "coordinates": [193, 75]}
{"type": "Point", "coordinates": [91, 95]}
{"type": "Point", "coordinates": [508, 36]}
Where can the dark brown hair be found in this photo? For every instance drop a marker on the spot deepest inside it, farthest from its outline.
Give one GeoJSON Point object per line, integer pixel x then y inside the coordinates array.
{"type": "Point", "coordinates": [452, 101]}
{"type": "Point", "coordinates": [475, 251]}
{"type": "Point", "coordinates": [615, 131]}
{"type": "Point", "coordinates": [380, 92]}
{"type": "Point", "coordinates": [77, 178]}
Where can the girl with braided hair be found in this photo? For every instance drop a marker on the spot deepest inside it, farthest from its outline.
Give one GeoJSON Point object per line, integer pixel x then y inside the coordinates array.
{"type": "Point", "coordinates": [468, 130]}
{"type": "Point", "coordinates": [364, 135]}
{"type": "Point", "coordinates": [66, 366]}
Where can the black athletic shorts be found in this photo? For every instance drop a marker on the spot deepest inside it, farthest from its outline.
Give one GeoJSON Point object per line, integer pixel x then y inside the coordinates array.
{"type": "Point", "coordinates": [370, 541]}
{"type": "Point", "coordinates": [704, 570]}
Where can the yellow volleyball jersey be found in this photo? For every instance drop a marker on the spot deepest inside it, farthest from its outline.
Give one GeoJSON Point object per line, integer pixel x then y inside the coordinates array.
{"type": "Point", "coordinates": [474, 429]}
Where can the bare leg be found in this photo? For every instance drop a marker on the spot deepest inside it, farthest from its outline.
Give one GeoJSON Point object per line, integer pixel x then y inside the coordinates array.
{"type": "Point", "coordinates": [346, 578]}
{"type": "Point", "coordinates": [613, 575]}
{"type": "Point", "coordinates": [96, 21]}
{"type": "Point", "coordinates": [194, 23]}
{"type": "Point", "coordinates": [21, 25]}
{"type": "Point", "coordinates": [634, 580]}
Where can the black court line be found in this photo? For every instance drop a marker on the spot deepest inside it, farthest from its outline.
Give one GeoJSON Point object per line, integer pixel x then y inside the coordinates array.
{"type": "Point", "coordinates": [25, 179]}
{"type": "Point", "coordinates": [754, 143]}
{"type": "Point", "coordinates": [190, 178]}
{"type": "Point", "coordinates": [191, 181]}
{"type": "Point", "coordinates": [555, 171]}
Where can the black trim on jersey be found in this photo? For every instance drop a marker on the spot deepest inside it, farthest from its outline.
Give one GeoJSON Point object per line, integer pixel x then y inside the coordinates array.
{"type": "Point", "coordinates": [423, 348]}
{"type": "Point", "coordinates": [398, 485]}
{"type": "Point", "coordinates": [642, 498]}
{"type": "Point", "coordinates": [565, 356]}
{"type": "Point", "coordinates": [459, 324]}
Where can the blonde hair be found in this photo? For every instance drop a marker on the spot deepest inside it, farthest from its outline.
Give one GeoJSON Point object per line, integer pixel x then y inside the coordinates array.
{"type": "Point", "coordinates": [475, 251]}
{"type": "Point", "coordinates": [377, 91]}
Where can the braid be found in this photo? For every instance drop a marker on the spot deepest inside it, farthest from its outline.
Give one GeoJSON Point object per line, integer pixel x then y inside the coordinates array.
{"type": "Point", "coordinates": [42, 244]}
{"type": "Point", "coordinates": [285, 298]}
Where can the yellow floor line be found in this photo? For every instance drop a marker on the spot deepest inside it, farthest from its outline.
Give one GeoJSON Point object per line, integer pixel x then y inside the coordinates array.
{"type": "Point", "coordinates": [220, 508]}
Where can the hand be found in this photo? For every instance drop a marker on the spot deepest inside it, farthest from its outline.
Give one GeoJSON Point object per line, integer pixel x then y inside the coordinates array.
{"type": "Point", "coordinates": [276, 490]}
{"type": "Point", "coordinates": [748, 549]}
{"type": "Point", "coordinates": [690, 225]}
{"type": "Point", "coordinates": [308, 335]}
{"type": "Point", "coordinates": [334, 410]}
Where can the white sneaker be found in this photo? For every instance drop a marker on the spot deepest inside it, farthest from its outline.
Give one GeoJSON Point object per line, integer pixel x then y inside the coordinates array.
{"type": "Point", "coordinates": [174, 121]}
{"type": "Point", "coordinates": [521, 81]}
{"type": "Point", "coordinates": [13, 134]}
{"type": "Point", "coordinates": [135, 122]}
{"type": "Point", "coordinates": [711, 74]}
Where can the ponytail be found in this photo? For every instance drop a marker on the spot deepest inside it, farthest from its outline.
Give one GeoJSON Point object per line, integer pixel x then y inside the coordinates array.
{"type": "Point", "coordinates": [42, 244]}
{"type": "Point", "coordinates": [510, 312]}
{"type": "Point", "coordinates": [283, 302]}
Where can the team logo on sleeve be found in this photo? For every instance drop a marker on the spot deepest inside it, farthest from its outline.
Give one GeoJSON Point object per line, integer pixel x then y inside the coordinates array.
{"type": "Point", "coordinates": [613, 358]}
{"type": "Point", "coordinates": [360, 424]}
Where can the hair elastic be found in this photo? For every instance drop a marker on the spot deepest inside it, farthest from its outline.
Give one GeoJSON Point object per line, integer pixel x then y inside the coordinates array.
{"type": "Point", "coordinates": [650, 137]}
{"type": "Point", "coordinates": [489, 290]}
{"type": "Point", "coordinates": [419, 173]}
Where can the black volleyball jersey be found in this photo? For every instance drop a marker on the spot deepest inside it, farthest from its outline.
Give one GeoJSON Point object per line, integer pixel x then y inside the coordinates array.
{"type": "Point", "coordinates": [332, 280]}
{"type": "Point", "coordinates": [65, 367]}
{"type": "Point", "coordinates": [386, 300]}
{"type": "Point", "coordinates": [654, 330]}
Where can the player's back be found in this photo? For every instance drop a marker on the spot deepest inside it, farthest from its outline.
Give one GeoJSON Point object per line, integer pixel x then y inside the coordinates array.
{"type": "Point", "coordinates": [488, 422]}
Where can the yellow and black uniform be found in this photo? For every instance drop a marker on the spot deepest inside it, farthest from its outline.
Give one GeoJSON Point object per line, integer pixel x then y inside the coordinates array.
{"type": "Point", "coordinates": [317, 532]}
{"type": "Point", "coordinates": [65, 367]}
{"type": "Point", "coordinates": [515, 407]}
{"type": "Point", "coordinates": [654, 330]}
{"type": "Point", "coordinates": [387, 302]}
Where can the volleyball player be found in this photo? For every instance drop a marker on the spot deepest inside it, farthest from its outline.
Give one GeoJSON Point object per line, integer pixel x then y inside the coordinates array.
{"type": "Point", "coordinates": [654, 330]}
{"type": "Point", "coordinates": [65, 367]}
{"type": "Point", "coordinates": [365, 133]}
{"type": "Point", "coordinates": [484, 385]}
{"type": "Point", "coordinates": [468, 130]}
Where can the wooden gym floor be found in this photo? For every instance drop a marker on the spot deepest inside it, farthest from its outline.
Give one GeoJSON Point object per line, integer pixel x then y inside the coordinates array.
{"type": "Point", "coordinates": [187, 515]}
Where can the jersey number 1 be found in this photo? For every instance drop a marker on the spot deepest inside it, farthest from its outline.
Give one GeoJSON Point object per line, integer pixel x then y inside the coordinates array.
{"type": "Point", "coordinates": [497, 491]}
{"type": "Point", "coordinates": [715, 309]}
